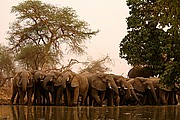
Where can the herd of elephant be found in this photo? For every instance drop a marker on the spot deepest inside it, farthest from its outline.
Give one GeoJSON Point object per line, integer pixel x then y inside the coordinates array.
{"type": "Point", "coordinates": [69, 88]}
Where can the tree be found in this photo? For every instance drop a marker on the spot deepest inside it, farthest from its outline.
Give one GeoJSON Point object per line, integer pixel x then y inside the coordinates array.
{"type": "Point", "coordinates": [153, 37]}
{"type": "Point", "coordinates": [35, 57]}
{"type": "Point", "coordinates": [50, 26]}
{"type": "Point", "coordinates": [96, 66]}
{"type": "Point", "coordinates": [7, 66]}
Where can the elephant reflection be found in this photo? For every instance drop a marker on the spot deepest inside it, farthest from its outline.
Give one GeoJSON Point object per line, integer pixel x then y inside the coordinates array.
{"type": "Point", "coordinates": [22, 113]}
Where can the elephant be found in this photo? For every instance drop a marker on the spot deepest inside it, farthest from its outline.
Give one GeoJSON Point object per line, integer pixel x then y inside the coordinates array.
{"type": "Point", "coordinates": [126, 90]}
{"type": "Point", "coordinates": [99, 85]}
{"type": "Point", "coordinates": [141, 86]}
{"type": "Point", "coordinates": [165, 94]}
{"type": "Point", "coordinates": [59, 89]}
{"type": "Point", "coordinates": [23, 83]}
{"type": "Point", "coordinates": [76, 85]}
{"type": "Point", "coordinates": [39, 91]}
{"type": "Point", "coordinates": [48, 86]}
{"type": "Point", "coordinates": [56, 87]}
{"type": "Point", "coordinates": [138, 71]}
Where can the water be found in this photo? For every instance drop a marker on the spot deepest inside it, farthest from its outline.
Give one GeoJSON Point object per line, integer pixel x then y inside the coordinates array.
{"type": "Point", "coordinates": [90, 113]}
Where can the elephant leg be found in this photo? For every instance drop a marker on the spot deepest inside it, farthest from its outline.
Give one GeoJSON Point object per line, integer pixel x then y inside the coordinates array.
{"type": "Point", "coordinates": [68, 96]}
{"type": "Point", "coordinates": [94, 94]}
{"type": "Point", "coordinates": [102, 96]}
{"type": "Point", "coordinates": [172, 100]}
{"type": "Point", "coordinates": [84, 98]}
{"type": "Point", "coordinates": [38, 97]}
{"type": "Point", "coordinates": [116, 101]}
{"type": "Point", "coordinates": [21, 95]}
{"type": "Point", "coordinates": [109, 96]}
{"type": "Point", "coordinates": [15, 91]}
{"type": "Point", "coordinates": [135, 96]}
{"type": "Point", "coordinates": [29, 95]}
{"type": "Point", "coordinates": [17, 99]}
{"type": "Point", "coordinates": [59, 93]}
{"type": "Point", "coordinates": [175, 98]}
{"type": "Point", "coordinates": [152, 90]}
{"type": "Point", "coordinates": [163, 97]}
{"type": "Point", "coordinates": [144, 99]}
{"type": "Point", "coordinates": [76, 95]}
{"type": "Point", "coordinates": [46, 96]}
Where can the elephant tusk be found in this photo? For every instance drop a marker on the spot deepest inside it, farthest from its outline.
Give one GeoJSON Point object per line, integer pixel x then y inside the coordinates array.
{"type": "Point", "coordinates": [148, 87]}
{"type": "Point", "coordinates": [110, 87]}
{"type": "Point", "coordinates": [125, 88]}
{"type": "Point", "coordinates": [68, 79]}
{"type": "Point", "coordinates": [20, 81]}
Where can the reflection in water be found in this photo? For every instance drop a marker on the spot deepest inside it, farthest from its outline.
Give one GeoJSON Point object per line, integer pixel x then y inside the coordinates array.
{"type": "Point", "coordinates": [89, 113]}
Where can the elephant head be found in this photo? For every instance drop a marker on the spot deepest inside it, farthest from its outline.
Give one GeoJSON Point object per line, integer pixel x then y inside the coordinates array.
{"type": "Point", "coordinates": [70, 78]}
{"type": "Point", "coordinates": [49, 80]}
{"type": "Point", "coordinates": [39, 76]}
{"type": "Point", "coordinates": [59, 80]}
{"type": "Point", "coordinates": [102, 81]}
{"type": "Point", "coordinates": [138, 71]}
{"type": "Point", "coordinates": [24, 79]}
{"type": "Point", "coordinates": [122, 83]}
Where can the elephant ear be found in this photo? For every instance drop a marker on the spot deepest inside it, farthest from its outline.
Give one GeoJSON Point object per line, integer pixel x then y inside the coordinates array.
{"type": "Point", "coordinates": [138, 85]}
{"type": "Point", "coordinates": [17, 80]}
{"type": "Point", "coordinates": [98, 84]}
{"type": "Point", "coordinates": [30, 82]}
{"type": "Point", "coordinates": [75, 81]}
{"type": "Point", "coordinates": [59, 81]}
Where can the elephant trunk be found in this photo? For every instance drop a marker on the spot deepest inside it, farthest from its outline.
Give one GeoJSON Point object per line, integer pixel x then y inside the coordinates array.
{"type": "Point", "coordinates": [115, 88]}
{"type": "Point", "coordinates": [135, 96]}
{"type": "Point", "coordinates": [24, 84]}
{"type": "Point", "coordinates": [152, 89]}
{"type": "Point", "coordinates": [45, 81]}
{"type": "Point", "coordinates": [64, 79]}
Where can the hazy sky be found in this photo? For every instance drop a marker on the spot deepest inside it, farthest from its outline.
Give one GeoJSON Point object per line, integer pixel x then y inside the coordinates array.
{"type": "Point", "coordinates": [109, 16]}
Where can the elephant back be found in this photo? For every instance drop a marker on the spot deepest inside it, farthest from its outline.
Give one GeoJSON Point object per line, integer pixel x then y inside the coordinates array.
{"type": "Point", "coordinates": [165, 87]}
{"type": "Point", "coordinates": [137, 85]}
{"type": "Point", "coordinates": [96, 83]}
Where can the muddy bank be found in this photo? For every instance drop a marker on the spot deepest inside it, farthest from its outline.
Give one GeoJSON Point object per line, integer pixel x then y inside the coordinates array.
{"type": "Point", "coordinates": [5, 95]}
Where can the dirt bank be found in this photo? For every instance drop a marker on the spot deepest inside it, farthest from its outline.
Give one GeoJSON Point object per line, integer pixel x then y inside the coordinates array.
{"type": "Point", "coordinates": [5, 95]}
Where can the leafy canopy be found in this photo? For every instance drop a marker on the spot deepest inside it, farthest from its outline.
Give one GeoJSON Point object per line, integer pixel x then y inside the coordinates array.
{"type": "Point", "coordinates": [48, 25]}
{"type": "Point", "coordinates": [153, 37]}
{"type": "Point", "coordinates": [35, 57]}
{"type": "Point", "coordinates": [7, 66]}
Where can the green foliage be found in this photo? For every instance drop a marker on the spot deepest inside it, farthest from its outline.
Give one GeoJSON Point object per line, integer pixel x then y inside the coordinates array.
{"type": "Point", "coordinates": [35, 57]}
{"type": "Point", "coordinates": [6, 62]}
{"type": "Point", "coordinates": [153, 32]}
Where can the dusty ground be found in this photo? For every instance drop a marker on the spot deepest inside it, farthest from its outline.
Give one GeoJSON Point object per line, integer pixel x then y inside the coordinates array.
{"type": "Point", "coordinates": [5, 95]}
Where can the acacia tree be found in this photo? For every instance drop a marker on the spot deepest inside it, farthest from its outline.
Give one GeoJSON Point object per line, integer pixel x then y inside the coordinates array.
{"type": "Point", "coordinates": [7, 67]}
{"type": "Point", "coordinates": [153, 37]}
{"type": "Point", "coordinates": [35, 57]}
{"type": "Point", "coordinates": [49, 26]}
{"type": "Point", "coordinates": [96, 66]}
